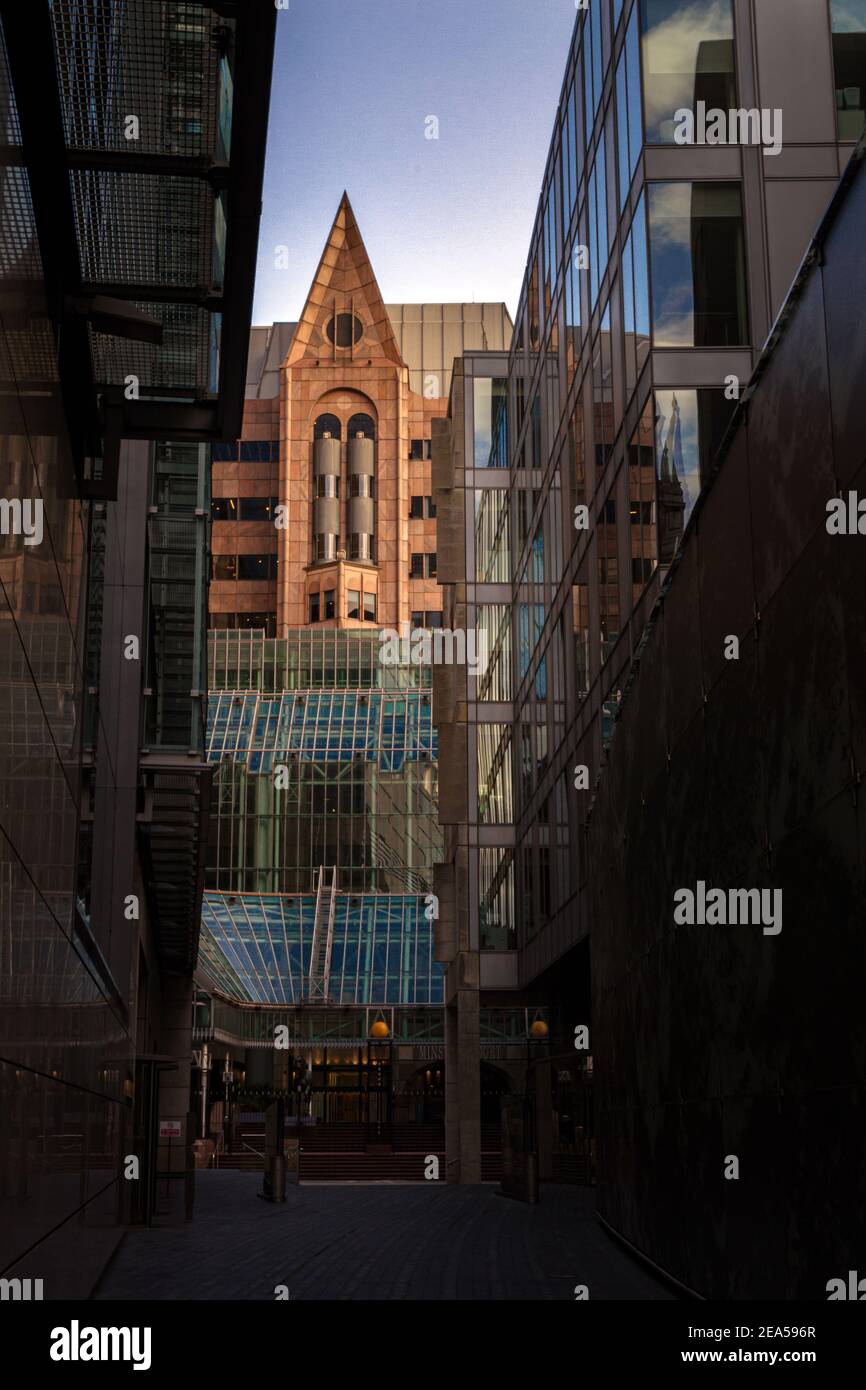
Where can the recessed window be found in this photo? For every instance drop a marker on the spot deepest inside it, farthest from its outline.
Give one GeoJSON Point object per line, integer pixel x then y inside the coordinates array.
{"type": "Point", "coordinates": [224, 567]}
{"type": "Point", "coordinates": [224, 453]}
{"type": "Point", "coordinates": [259, 451]}
{"type": "Point", "coordinates": [257, 508]}
{"type": "Point", "coordinates": [369, 608]}
{"type": "Point", "coordinates": [257, 567]}
{"type": "Point", "coordinates": [361, 424]}
{"type": "Point", "coordinates": [314, 608]}
{"type": "Point", "coordinates": [344, 330]}
{"type": "Point", "coordinates": [327, 485]}
{"type": "Point", "coordinates": [353, 603]}
{"type": "Point", "coordinates": [362, 485]}
{"type": "Point", "coordinates": [327, 426]}
{"type": "Point", "coordinates": [330, 603]}
{"type": "Point", "coordinates": [698, 265]}
{"type": "Point", "coordinates": [224, 509]}
{"type": "Point", "coordinates": [421, 508]}
{"type": "Point", "coordinates": [422, 566]}
{"type": "Point", "coordinates": [420, 449]}
{"type": "Point", "coordinates": [268, 621]}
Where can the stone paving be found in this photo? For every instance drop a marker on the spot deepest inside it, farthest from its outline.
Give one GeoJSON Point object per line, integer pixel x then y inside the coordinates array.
{"type": "Point", "coordinates": [383, 1241]}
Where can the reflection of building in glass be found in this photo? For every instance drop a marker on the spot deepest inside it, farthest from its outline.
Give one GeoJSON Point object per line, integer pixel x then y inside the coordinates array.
{"type": "Point", "coordinates": [653, 279]}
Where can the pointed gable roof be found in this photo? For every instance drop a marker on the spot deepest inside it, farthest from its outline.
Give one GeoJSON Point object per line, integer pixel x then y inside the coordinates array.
{"type": "Point", "coordinates": [344, 281]}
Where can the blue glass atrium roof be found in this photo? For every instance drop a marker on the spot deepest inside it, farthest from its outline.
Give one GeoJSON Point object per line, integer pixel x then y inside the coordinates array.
{"type": "Point", "coordinates": [256, 948]}
{"type": "Point", "coordinates": [318, 726]}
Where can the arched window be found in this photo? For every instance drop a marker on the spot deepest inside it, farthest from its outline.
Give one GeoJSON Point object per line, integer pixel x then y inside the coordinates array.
{"type": "Point", "coordinates": [361, 424]}
{"type": "Point", "coordinates": [327, 424]}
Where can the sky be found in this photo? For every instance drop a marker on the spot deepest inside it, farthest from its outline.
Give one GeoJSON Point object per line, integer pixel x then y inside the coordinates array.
{"type": "Point", "coordinates": [354, 84]}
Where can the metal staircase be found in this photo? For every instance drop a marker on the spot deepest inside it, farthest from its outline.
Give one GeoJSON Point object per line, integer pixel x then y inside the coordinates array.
{"type": "Point", "coordinates": [319, 979]}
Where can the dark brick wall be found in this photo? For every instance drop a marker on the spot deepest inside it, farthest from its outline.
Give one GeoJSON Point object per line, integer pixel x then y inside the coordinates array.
{"type": "Point", "coordinates": [717, 1040]}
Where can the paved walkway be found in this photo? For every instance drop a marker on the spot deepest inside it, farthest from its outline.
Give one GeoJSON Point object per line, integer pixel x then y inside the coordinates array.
{"type": "Point", "coordinates": [416, 1241]}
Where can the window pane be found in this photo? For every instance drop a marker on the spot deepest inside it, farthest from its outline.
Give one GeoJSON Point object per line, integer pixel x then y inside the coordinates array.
{"type": "Point", "coordinates": [688, 56]}
{"type": "Point", "coordinates": [698, 265]}
{"type": "Point", "coordinates": [353, 598]}
{"type": "Point", "coordinates": [224, 509]}
{"type": "Point", "coordinates": [256, 566]}
{"type": "Point", "coordinates": [314, 608]}
{"type": "Point", "coordinates": [370, 608]}
{"type": "Point", "coordinates": [416, 508]}
{"type": "Point", "coordinates": [849, 59]}
{"type": "Point", "coordinates": [255, 509]}
{"type": "Point", "coordinates": [224, 567]}
{"type": "Point", "coordinates": [490, 396]}
{"type": "Point", "coordinates": [689, 426]}
{"type": "Point", "coordinates": [330, 606]}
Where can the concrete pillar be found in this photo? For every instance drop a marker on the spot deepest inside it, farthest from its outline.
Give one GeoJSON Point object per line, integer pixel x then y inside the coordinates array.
{"type": "Point", "coordinates": [469, 1084]}
{"type": "Point", "coordinates": [452, 1127]}
{"type": "Point", "coordinates": [544, 1119]}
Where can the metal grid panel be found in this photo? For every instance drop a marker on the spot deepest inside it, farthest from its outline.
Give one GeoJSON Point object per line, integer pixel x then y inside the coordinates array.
{"type": "Point", "coordinates": [306, 659]}
{"type": "Point", "coordinates": [8, 110]}
{"type": "Point", "coordinates": [152, 60]}
{"type": "Point", "coordinates": [143, 228]}
{"type": "Point", "coordinates": [182, 360]}
{"type": "Point", "coordinates": [321, 727]}
{"type": "Point", "coordinates": [19, 250]}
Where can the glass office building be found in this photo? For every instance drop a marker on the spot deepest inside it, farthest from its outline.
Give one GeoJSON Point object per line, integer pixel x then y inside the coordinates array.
{"type": "Point", "coordinates": [571, 470]}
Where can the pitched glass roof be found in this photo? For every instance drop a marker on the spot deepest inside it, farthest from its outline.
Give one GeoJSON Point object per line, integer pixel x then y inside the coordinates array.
{"type": "Point", "coordinates": [256, 948]}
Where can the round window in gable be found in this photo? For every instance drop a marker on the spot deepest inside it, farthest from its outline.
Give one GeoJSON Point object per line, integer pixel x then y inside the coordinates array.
{"type": "Point", "coordinates": [344, 330]}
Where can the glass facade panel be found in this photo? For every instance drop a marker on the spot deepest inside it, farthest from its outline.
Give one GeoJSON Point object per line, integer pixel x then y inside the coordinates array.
{"type": "Point", "coordinates": [497, 903]}
{"type": "Point", "coordinates": [698, 265]}
{"type": "Point", "coordinates": [688, 56]}
{"type": "Point", "coordinates": [642, 506]}
{"type": "Point", "coordinates": [492, 536]}
{"type": "Point", "coordinates": [689, 426]}
{"type": "Point", "coordinates": [628, 108]}
{"type": "Point", "coordinates": [491, 420]}
{"type": "Point", "coordinates": [849, 61]}
{"type": "Point", "coordinates": [635, 294]}
{"type": "Point", "coordinates": [598, 227]}
{"type": "Point", "coordinates": [494, 774]}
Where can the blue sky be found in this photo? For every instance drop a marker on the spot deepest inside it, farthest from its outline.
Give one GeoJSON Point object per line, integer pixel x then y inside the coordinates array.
{"type": "Point", "coordinates": [354, 82]}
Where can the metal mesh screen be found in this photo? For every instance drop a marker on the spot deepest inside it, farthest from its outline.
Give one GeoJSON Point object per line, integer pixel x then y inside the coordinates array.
{"type": "Point", "coordinates": [182, 360]}
{"type": "Point", "coordinates": [146, 61]}
{"type": "Point", "coordinates": [143, 229]}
